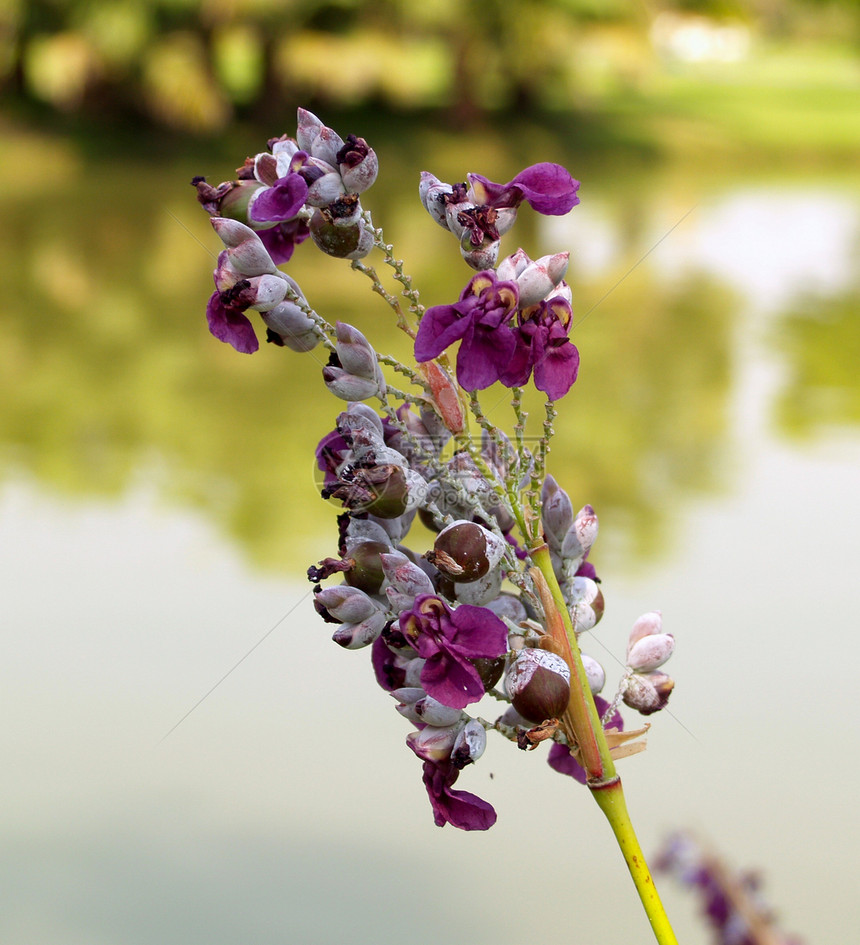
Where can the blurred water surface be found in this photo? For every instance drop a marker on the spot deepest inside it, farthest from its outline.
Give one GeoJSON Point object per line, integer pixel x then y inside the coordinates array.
{"type": "Point", "coordinates": [157, 512]}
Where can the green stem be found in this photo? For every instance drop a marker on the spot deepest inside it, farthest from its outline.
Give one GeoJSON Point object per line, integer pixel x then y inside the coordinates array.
{"type": "Point", "coordinates": [603, 781]}
{"type": "Point", "coordinates": [610, 799]}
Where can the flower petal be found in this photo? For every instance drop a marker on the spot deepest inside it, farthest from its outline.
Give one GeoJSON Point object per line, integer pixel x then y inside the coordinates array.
{"type": "Point", "coordinates": [281, 202]}
{"type": "Point", "coordinates": [483, 356]}
{"type": "Point", "coordinates": [440, 327]}
{"type": "Point", "coordinates": [556, 371]}
{"type": "Point", "coordinates": [480, 634]}
{"type": "Point", "coordinates": [452, 680]}
{"type": "Point", "coordinates": [230, 326]}
{"type": "Point", "coordinates": [458, 808]}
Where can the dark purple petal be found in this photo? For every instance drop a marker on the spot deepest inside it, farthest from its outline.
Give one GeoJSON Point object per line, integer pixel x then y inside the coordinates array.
{"type": "Point", "coordinates": [440, 327]}
{"type": "Point", "coordinates": [547, 188]}
{"type": "Point", "coordinates": [556, 371]}
{"type": "Point", "coordinates": [458, 808]}
{"type": "Point", "coordinates": [230, 326]}
{"type": "Point", "coordinates": [519, 367]}
{"type": "Point", "coordinates": [480, 634]}
{"type": "Point", "coordinates": [388, 667]}
{"type": "Point", "coordinates": [280, 202]}
{"type": "Point", "coordinates": [483, 355]}
{"type": "Point", "coordinates": [452, 680]}
{"type": "Point", "coordinates": [281, 240]}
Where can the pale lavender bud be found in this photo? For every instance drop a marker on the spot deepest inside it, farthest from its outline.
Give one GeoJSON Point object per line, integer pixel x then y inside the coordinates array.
{"type": "Point", "coordinates": [347, 386]}
{"type": "Point", "coordinates": [509, 606]}
{"type": "Point", "coordinates": [469, 744]}
{"type": "Point", "coordinates": [317, 139]}
{"type": "Point", "coordinates": [358, 164]}
{"type": "Point", "coordinates": [556, 512]}
{"type": "Point", "coordinates": [432, 743]}
{"type": "Point", "coordinates": [353, 636]}
{"type": "Point", "coordinates": [408, 695]}
{"type": "Point", "coordinates": [345, 603]}
{"type": "Point", "coordinates": [539, 684]}
{"type": "Point", "coordinates": [294, 328]}
{"type": "Point", "coordinates": [245, 250]}
{"type": "Point", "coordinates": [650, 652]}
{"type": "Point", "coordinates": [647, 625]}
{"type": "Point", "coordinates": [506, 217]}
{"type": "Point", "coordinates": [587, 603]}
{"type": "Point", "coordinates": [594, 672]}
{"type": "Point", "coordinates": [269, 292]}
{"type": "Point", "coordinates": [511, 718]}
{"type": "Point", "coordinates": [511, 266]}
{"type": "Point", "coordinates": [406, 580]}
{"type": "Point", "coordinates": [355, 352]}
{"type": "Point", "coordinates": [432, 192]}
{"type": "Point", "coordinates": [540, 277]}
{"type": "Point", "coordinates": [432, 712]}
{"type": "Point", "coordinates": [325, 190]}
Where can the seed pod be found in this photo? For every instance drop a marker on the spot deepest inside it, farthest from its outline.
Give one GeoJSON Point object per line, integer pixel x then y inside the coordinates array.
{"type": "Point", "coordinates": [367, 572]}
{"type": "Point", "coordinates": [539, 685]}
{"type": "Point", "coordinates": [466, 551]}
{"type": "Point", "coordinates": [490, 670]}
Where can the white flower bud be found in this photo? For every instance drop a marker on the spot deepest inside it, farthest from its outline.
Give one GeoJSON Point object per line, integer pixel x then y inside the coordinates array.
{"type": "Point", "coordinates": [646, 625]}
{"type": "Point", "coordinates": [469, 744]}
{"type": "Point", "coordinates": [595, 673]}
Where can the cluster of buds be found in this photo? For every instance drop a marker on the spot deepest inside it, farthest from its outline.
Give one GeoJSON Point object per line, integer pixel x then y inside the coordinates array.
{"type": "Point", "coordinates": [459, 616]}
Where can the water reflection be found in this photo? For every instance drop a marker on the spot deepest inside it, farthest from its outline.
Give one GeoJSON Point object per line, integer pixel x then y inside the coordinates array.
{"type": "Point", "coordinates": [106, 367]}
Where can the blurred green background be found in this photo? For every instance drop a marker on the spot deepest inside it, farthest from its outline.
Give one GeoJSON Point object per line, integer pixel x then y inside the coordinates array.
{"type": "Point", "coordinates": [157, 502]}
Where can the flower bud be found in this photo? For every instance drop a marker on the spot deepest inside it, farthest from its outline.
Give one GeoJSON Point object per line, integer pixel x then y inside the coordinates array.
{"type": "Point", "coordinates": [432, 712]}
{"type": "Point", "coordinates": [586, 603]}
{"type": "Point", "coordinates": [469, 744]}
{"type": "Point", "coordinates": [432, 192]}
{"type": "Point", "coordinates": [412, 672]}
{"type": "Point", "coordinates": [539, 685]}
{"type": "Point", "coordinates": [648, 694]}
{"type": "Point", "coordinates": [595, 673]}
{"type": "Point", "coordinates": [345, 603]}
{"type": "Point", "coordinates": [358, 164]}
{"type": "Point", "coordinates": [326, 189]}
{"type": "Point", "coordinates": [291, 327]}
{"type": "Point", "coordinates": [650, 652]}
{"type": "Point", "coordinates": [353, 636]}
{"type": "Point", "coordinates": [466, 551]}
{"type": "Point", "coordinates": [355, 352]}
{"type": "Point", "coordinates": [432, 743]}
{"type": "Point", "coordinates": [347, 386]}
{"type": "Point", "coordinates": [646, 625]}
{"type": "Point", "coordinates": [406, 580]}
{"type": "Point", "coordinates": [581, 534]}
{"type": "Point", "coordinates": [316, 138]}
{"type": "Point", "coordinates": [511, 266]}
{"type": "Point", "coordinates": [556, 512]}
{"type": "Point", "coordinates": [269, 291]}
{"type": "Point", "coordinates": [480, 592]}
{"type": "Point", "coordinates": [540, 277]}
{"type": "Point", "coordinates": [245, 250]}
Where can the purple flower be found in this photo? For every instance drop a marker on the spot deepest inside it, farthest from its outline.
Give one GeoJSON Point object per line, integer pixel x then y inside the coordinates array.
{"type": "Point", "coordinates": [560, 758]}
{"type": "Point", "coordinates": [547, 188]}
{"type": "Point", "coordinates": [542, 346]}
{"type": "Point", "coordinates": [228, 323]}
{"type": "Point", "coordinates": [458, 808]}
{"type": "Point", "coordinates": [480, 318]}
{"type": "Point", "coordinates": [448, 640]}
